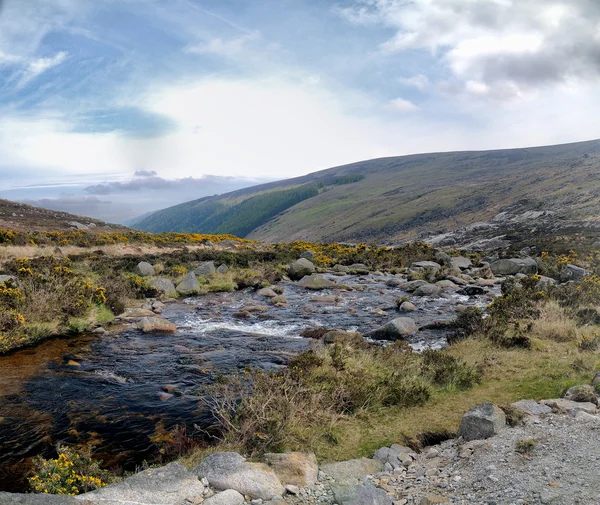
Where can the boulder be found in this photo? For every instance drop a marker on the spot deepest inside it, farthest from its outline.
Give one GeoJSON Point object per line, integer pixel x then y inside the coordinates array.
{"type": "Point", "coordinates": [443, 259]}
{"type": "Point", "coordinates": [582, 393]}
{"type": "Point", "coordinates": [532, 407]}
{"type": "Point", "coordinates": [227, 497]}
{"type": "Point", "coordinates": [230, 243]}
{"type": "Point", "coordinates": [358, 269]}
{"type": "Point", "coordinates": [164, 286]}
{"type": "Point", "coordinates": [223, 269]}
{"type": "Point", "coordinates": [295, 468]}
{"type": "Point", "coordinates": [316, 282]}
{"type": "Point", "coordinates": [300, 269]}
{"type": "Point", "coordinates": [460, 263]}
{"type": "Point", "coordinates": [189, 285]}
{"type": "Point", "coordinates": [144, 269]}
{"type": "Point", "coordinates": [253, 309]}
{"type": "Point", "coordinates": [309, 255]}
{"type": "Point", "coordinates": [341, 268]}
{"type": "Point", "coordinates": [428, 290]}
{"type": "Point", "coordinates": [156, 325]}
{"type": "Point", "coordinates": [205, 269]}
{"type": "Point", "coordinates": [167, 485]}
{"type": "Point", "coordinates": [446, 285]}
{"type": "Point", "coordinates": [279, 300]}
{"type": "Point", "coordinates": [268, 292]}
{"type": "Point", "coordinates": [349, 476]}
{"type": "Point", "coordinates": [135, 313]}
{"type": "Point", "coordinates": [413, 285]}
{"type": "Point", "coordinates": [397, 329]}
{"type": "Point", "coordinates": [482, 421]}
{"type": "Point", "coordinates": [545, 282]}
{"type": "Point", "coordinates": [368, 494]}
{"type": "Point", "coordinates": [573, 273]}
{"type": "Point", "coordinates": [472, 291]}
{"type": "Point", "coordinates": [407, 307]}
{"type": "Point", "coordinates": [457, 280]}
{"type": "Point", "coordinates": [79, 226]}
{"type": "Point", "coordinates": [513, 266]}
{"type": "Point", "coordinates": [229, 470]}
{"type": "Point", "coordinates": [426, 265]}
{"type": "Point", "coordinates": [38, 499]}
{"type": "Point", "coordinates": [396, 456]}
{"type": "Point", "coordinates": [562, 405]}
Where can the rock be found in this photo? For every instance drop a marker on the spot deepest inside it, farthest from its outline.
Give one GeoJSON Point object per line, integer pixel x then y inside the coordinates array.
{"type": "Point", "coordinates": [428, 290]}
{"type": "Point", "coordinates": [460, 263]}
{"type": "Point", "coordinates": [252, 309]}
{"type": "Point", "coordinates": [156, 325]}
{"type": "Point", "coordinates": [230, 243]}
{"type": "Point", "coordinates": [397, 329]}
{"type": "Point", "coordinates": [294, 468]}
{"type": "Point", "coordinates": [426, 265]}
{"type": "Point", "coordinates": [268, 292]}
{"type": "Point", "coordinates": [229, 470]}
{"type": "Point", "coordinates": [443, 258]}
{"type": "Point", "coordinates": [407, 307]}
{"type": "Point", "coordinates": [562, 405]}
{"type": "Point", "coordinates": [596, 379]}
{"type": "Point", "coordinates": [205, 269]}
{"type": "Point", "coordinates": [573, 273]}
{"type": "Point", "coordinates": [446, 285]}
{"type": "Point", "coordinates": [144, 269]}
{"type": "Point", "coordinates": [582, 416]}
{"type": "Point", "coordinates": [223, 269]}
{"type": "Point", "coordinates": [341, 269]}
{"type": "Point", "coordinates": [164, 286]}
{"type": "Point", "coordinates": [471, 291]}
{"type": "Point", "coordinates": [358, 269]}
{"type": "Point", "coordinates": [167, 485]}
{"type": "Point", "coordinates": [342, 337]}
{"type": "Point", "coordinates": [300, 269]}
{"type": "Point", "coordinates": [413, 285]}
{"type": "Point", "coordinates": [99, 331]}
{"type": "Point", "coordinates": [432, 499]}
{"type": "Point", "coordinates": [189, 285]}
{"type": "Point", "coordinates": [316, 282]}
{"type": "Point", "coordinates": [457, 280]}
{"type": "Point", "coordinates": [291, 489]}
{"type": "Point", "coordinates": [532, 407]}
{"type": "Point", "coordinates": [158, 307]}
{"type": "Point", "coordinates": [6, 278]}
{"type": "Point", "coordinates": [227, 497]}
{"type": "Point", "coordinates": [79, 226]}
{"type": "Point", "coordinates": [349, 476]}
{"type": "Point", "coordinates": [309, 255]}
{"type": "Point", "coordinates": [513, 266]}
{"type": "Point", "coordinates": [545, 282]}
{"type": "Point", "coordinates": [279, 300]}
{"type": "Point", "coordinates": [582, 393]}
{"type": "Point", "coordinates": [135, 313]}
{"type": "Point", "coordinates": [367, 494]}
{"type": "Point", "coordinates": [482, 421]}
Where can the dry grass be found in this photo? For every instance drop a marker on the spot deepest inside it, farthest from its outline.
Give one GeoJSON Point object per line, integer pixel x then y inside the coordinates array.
{"type": "Point", "coordinates": [554, 324]}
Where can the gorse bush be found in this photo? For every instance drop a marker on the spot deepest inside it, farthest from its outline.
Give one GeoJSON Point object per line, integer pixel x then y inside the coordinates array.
{"type": "Point", "coordinates": [71, 473]}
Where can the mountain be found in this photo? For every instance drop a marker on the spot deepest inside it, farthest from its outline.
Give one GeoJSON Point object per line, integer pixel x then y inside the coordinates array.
{"type": "Point", "coordinates": [21, 216]}
{"type": "Point", "coordinates": [392, 199]}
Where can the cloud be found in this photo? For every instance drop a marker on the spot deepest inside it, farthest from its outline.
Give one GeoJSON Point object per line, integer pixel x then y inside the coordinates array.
{"type": "Point", "coordinates": [512, 47]}
{"type": "Point", "coordinates": [154, 183]}
{"type": "Point", "coordinates": [418, 81]}
{"type": "Point", "coordinates": [40, 65]}
{"type": "Point", "coordinates": [401, 105]}
{"type": "Point", "coordinates": [220, 47]}
{"type": "Point", "coordinates": [145, 173]}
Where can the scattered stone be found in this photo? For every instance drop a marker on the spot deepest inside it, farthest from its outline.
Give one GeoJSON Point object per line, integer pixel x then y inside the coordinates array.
{"type": "Point", "coordinates": [397, 329]}
{"type": "Point", "coordinates": [227, 497]}
{"type": "Point", "coordinates": [482, 421]}
{"type": "Point", "coordinates": [428, 290]}
{"type": "Point", "coordinates": [268, 292]}
{"type": "Point", "coordinates": [446, 284]}
{"type": "Point", "coordinates": [316, 282]}
{"type": "Point", "coordinates": [300, 269]}
{"type": "Point", "coordinates": [460, 263]}
{"type": "Point", "coordinates": [582, 393]}
{"type": "Point", "coordinates": [294, 468]}
{"type": "Point", "coordinates": [279, 300]}
{"type": "Point", "coordinates": [205, 269]}
{"type": "Point", "coordinates": [472, 291]}
{"type": "Point", "coordinates": [568, 406]}
{"type": "Point", "coordinates": [144, 269]}
{"type": "Point", "coordinates": [251, 309]}
{"type": "Point", "coordinates": [413, 285]}
{"type": "Point", "coordinates": [156, 325]}
{"type": "Point", "coordinates": [407, 307]}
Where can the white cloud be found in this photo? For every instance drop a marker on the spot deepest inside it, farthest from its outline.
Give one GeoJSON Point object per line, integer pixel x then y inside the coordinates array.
{"type": "Point", "coordinates": [41, 65]}
{"type": "Point", "coordinates": [400, 105]}
{"type": "Point", "coordinates": [418, 81]}
{"type": "Point", "coordinates": [226, 48]}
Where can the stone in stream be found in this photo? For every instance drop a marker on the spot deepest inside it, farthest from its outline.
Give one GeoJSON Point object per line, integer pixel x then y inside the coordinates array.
{"type": "Point", "coordinates": [446, 284]}
{"type": "Point", "coordinates": [164, 286]}
{"type": "Point", "coordinates": [295, 468]}
{"type": "Point", "coordinates": [279, 300]}
{"type": "Point", "coordinates": [412, 285]}
{"type": "Point", "coordinates": [301, 268]}
{"type": "Point", "coordinates": [205, 269]}
{"type": "Point", "coordinates": [482, 421]}
{"type": "Point", "coordinates": [397, 329]}
{"type": "Point", "coordinates": [167, 485]}
{"type": "Point", "coordinates": [316, 282]}
{"type": "Point", "coordinates": [144, 269]}
{"type": "Point", "coordinates": [135, 313]}
{"type": "Point", "coordinates": [229, 470]}
{"type": "Point", "coordinates": [428, 290]}
{"type": "Point", "coordinates": [407, 307]}
{"type": "Point", "coordinates": [189, 285]}
{"type": "Point", "coordinates": [156, 325]}
{"type": "Point", "coordinates": [268, 292]}
{"type": "Point", "coordinates": [513, 266]}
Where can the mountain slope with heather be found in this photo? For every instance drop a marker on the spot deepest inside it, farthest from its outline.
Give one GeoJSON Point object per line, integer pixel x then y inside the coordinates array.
{"type": "Point", "coordinates": [397, 198]}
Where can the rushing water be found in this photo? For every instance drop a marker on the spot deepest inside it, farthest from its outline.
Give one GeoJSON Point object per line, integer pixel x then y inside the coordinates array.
{"type": "Point", "coordinates": [119, 392]}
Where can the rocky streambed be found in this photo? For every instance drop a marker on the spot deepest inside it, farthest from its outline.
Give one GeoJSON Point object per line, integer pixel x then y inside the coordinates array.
{"type": "Point", "coordinates": [122, 392]}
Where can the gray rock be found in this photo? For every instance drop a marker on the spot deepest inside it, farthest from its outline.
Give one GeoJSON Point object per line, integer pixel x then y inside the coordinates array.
{"type": "Point", "coordinates": [428, 290]}
{"type": "Point", "coordinates": [189, 285]}
{"type": "Point", "coordinates": [545, 283]}
{"type": "Point", "coordinates": [300, 269]}
{"type": "Point", "coordinates": [223, 269]}
{"type": "Point", "coordinates": [229, 470]}
{"type": "Point", "coordinates": [407, 307]}
{"type": "Point", "coordinates": [144, 269]}
{"type": "Point", "coordinates": [562, 405]}
{"type": "Point", "coordinates": [227, 497]}
{"type": "Point", "coordinates": [309, 255]}
{"type": "Point", "coordinates": [413, 285]}
{"type": "Point", "coordinates": [482, 421]}
{"type": "Point", "coordinates": [349, 476]}
{"type": "Point", "coordinates": [268, 292]}
{"type": "Point", "coordinates": [397, 329]}
{"type": "Point", "coordinates": [294, 468]}
{"type": "Point", "coordinates": [205, 269]}
{"type": "Point", "coordinates": [316, 282]}
{"type": "Point", "coordinates": [573, 273]}
{"type": "Point", "coordinates": [427, 265]}
{"type": "Point", "coordinates": [446, 285]}
{"type": "Point", "coordinates": [460, 263]}
{"type": "Point", "coordinates": [513, 266]}
{"type": "Point", "coordinates": [443, 258]}
{"type": "Point", "coordinates": [358, 269]}
{"type": "Point", "coordinates": [167, 485]}
{"type": "Point", "coordinates": [230, 243]}
{"type": "Point", "coordinates": [164, 286]}
{"type": "Point", "coordinates": [457, 280]}
{"type": "Point", "coordinates": [79, 226]}
{"type": "Point", "coordinates": [368, 494]}
{"type": "Point", "coordinates": [532, 407]}
{"type": "Point", "coordinates": [38, 499]}
{"type": "Point", "coordinates": [156, 325]}
{"type": "Point", "coordinates": [582, 393]}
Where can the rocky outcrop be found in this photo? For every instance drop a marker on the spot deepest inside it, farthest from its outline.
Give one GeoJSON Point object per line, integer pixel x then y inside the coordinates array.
{"type": "Point", "coordinates": [513, 266]}
{"type": "Point", "coordinates": [481, 422]}
{"type": "Point", "coordinates": [228, 497]}
{"type": "Point", "coordinates": [300, 269]}
{"type": "Point", "coordinates": [229, 470]}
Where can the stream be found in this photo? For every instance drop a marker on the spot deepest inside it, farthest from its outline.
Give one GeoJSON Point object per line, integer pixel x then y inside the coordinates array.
{"type": "Point", "coordinates": [120, 393]}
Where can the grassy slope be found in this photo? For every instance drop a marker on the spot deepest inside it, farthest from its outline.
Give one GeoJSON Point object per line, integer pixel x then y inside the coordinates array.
{"type": "Point", "coordinates": [401, 196]}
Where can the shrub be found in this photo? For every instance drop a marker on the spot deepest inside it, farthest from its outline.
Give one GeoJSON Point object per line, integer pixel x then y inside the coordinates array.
{"type": "Point", "coordinates": [448, 371]}
{"type": "Point", "coordinates": [526, 447]}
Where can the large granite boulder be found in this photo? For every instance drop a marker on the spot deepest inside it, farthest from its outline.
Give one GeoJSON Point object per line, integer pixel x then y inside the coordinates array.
{"type": "Point", "coordinates": [164, 286]}
{"type": "Point", "coordinates": [300, 269]}
{"type": "Point", "coordinates": [514, 266]}
{"type": "Point", "coordinates": [428, 290]}
{"type": "Point", "coordinates": [482, 421]}
{"type": "Point", "coordinates": [229, 470]}
{"type": "Point", "coordinates": [349, 477]}
{"type": "Point", "coordinates": [205, 269]}
{"type": "Point", "coordinates": [573, 273]}
{"type": "Point", "coordinates": [397, 329]}
{"type": "Point", "coordinates": [189, 285]}
{"type": "Point", "coordinates": [460, 263]}
{"type": "Point", "coordinates": [227, 497]}
{"type": "Point", "coordinates": [295, 468]}
{"type": "Point", "coordinates": [144, 269]}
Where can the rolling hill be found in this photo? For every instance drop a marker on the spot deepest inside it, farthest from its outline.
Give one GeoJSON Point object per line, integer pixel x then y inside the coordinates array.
{"type": "Point", "coordinates": [389, 200]}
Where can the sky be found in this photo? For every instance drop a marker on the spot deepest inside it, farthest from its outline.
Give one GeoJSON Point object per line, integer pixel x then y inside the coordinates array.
{"type": "Point", "coordinates": [115, 108]}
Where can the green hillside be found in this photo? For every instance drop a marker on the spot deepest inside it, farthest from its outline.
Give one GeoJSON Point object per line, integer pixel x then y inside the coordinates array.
{"type": "Point", "coordinates": [390, 199]}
